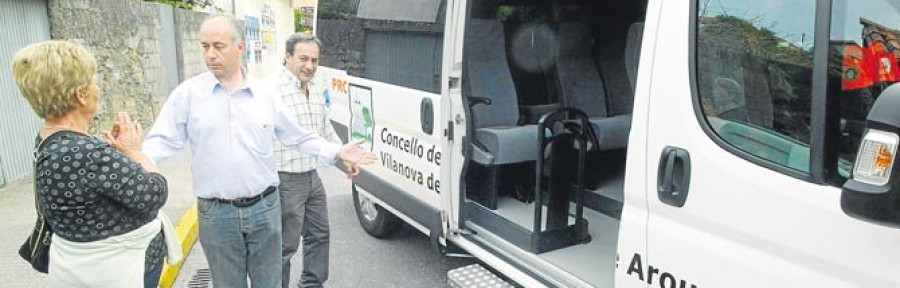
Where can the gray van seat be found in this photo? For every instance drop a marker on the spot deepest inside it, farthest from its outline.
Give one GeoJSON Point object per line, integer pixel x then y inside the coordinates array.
{"type": "Point", "coordinates": [581, 86]}
{"type": "Point", "coordinates": [503, 142]}
{"type": "Point", "coordinates": [612, 132]}
{"type": "Point", "coordinates": [518, 143]}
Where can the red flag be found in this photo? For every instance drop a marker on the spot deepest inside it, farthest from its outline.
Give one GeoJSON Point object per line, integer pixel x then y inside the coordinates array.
{"type": "Point", "coordinates": [854, 71]}
{"type": "Point", "coordinates": [883, 64]}
{"type": "Point", "coordinates": [893, 44]}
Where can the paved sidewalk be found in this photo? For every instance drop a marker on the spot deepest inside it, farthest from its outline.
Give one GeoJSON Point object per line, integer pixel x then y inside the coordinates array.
{"type": "Point", "coordinates": [17, 218]}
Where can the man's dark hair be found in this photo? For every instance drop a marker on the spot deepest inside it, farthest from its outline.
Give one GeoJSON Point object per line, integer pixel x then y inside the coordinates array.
{"type": "Point", "coordinates": [301, 38]}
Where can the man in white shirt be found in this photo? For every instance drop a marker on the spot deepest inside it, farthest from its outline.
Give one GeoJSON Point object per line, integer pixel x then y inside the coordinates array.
{"type": "Point", "coordinates": [229, 122]}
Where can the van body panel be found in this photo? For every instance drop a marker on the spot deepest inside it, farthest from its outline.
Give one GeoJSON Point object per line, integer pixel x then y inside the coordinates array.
{"type": "Point", "coordinates": [406, 204]}
{"type": "Point", "coordinates": [741, 224]}
{"type": "Point", "coordinates": [633, 228]}
{"type": "Point", "coordinates": [408, 158]}
{"type": "Point", "coordinates": [744, 225]}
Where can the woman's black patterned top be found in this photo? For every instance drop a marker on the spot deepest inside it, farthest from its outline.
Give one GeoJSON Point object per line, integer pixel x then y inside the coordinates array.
{"type": "Point", "coordinates": [88, 191]}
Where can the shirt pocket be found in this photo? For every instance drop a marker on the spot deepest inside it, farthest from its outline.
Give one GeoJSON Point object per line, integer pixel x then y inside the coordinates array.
{"type": "Point", "coordinates": [256, 135]}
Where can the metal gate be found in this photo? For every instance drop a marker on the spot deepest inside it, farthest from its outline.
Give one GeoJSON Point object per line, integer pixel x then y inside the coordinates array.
{"type": "Point", "coordinates": [21, 22]}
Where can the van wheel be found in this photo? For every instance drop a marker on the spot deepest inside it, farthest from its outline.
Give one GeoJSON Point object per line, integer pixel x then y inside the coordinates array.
{"type": "Point", "coordinates": [377, 221]}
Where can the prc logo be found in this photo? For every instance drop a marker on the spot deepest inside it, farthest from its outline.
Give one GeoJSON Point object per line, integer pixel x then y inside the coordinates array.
{"type": "Point", "coordinates": [339, 85]}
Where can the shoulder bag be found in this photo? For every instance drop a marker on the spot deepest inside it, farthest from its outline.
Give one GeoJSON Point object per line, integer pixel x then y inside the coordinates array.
{"type": "Point", "coordinates": [36, 249]}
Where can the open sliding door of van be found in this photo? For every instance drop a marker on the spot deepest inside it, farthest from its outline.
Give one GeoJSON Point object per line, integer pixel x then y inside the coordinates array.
{"type": "Point", "coordinates": [755, 115]}
{"type": "Point", "coordinates": [540, 191]}
{"type": "Point", "coordinates": [454, 126]}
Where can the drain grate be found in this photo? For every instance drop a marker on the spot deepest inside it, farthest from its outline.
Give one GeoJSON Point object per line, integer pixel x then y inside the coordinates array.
{"type": "Point", "coordinates": [201, 279]}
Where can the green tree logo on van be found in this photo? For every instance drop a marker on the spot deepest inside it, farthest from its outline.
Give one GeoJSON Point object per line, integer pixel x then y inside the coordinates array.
{"type": "Point", "coordinates": [367, 123]}
{"type": "Point", "coordinates": [363, 128]}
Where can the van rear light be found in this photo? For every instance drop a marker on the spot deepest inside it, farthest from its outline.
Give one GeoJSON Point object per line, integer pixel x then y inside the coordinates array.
{"type": "Point", "coordinates": [875, 159]}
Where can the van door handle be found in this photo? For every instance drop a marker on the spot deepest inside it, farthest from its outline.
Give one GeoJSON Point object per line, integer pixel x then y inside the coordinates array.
{"type": "Point", "coordinates": [674, 176]}
{"type": "Point", "coordinates": [427, 114]}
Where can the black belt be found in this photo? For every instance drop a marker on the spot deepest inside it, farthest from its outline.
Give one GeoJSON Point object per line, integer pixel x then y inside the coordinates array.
{"type": "Point", "coordinates": [247, 201]}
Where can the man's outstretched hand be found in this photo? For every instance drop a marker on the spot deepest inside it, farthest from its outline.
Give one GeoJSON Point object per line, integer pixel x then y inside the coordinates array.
{"type": "Point", "coordinates": [352, 157]}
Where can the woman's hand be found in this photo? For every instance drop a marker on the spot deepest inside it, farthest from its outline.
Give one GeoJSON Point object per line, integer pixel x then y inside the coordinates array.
{"type": "Point", "coordinates": [126, 134]}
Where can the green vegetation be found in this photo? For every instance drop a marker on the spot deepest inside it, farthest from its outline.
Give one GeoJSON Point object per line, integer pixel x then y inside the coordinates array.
{"type": "Point", "coordinates": [184, 4]}
{"type": "Point", "coordinates": [298, 24]}
{"type": "Point", "coordinates": [336, 9]}
{"type": "Point", "coordinates": [759, 41]}
{"type": "Point", "coordinates": [504, 12]}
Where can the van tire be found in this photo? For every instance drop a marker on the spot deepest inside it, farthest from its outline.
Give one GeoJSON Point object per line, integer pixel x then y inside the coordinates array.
{"type": "Point", "coordinates": [377, 221]}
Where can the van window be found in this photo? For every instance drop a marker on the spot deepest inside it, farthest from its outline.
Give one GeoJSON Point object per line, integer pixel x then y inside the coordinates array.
{"type": "Point", "coordinates": [373, 39]}
{"type": "Point", "coordinates": [754, 76]}
{"type": "Point", "coordinates": [410, 59]}
{"type": "Point", "coordinates": [863, 61]}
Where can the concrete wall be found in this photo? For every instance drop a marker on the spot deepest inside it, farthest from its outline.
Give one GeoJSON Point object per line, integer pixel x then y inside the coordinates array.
{"type": "Point", "coordinates": [273, 55]}
{"type": "Point", "coordinates": [189, 52]}
{"type": "Point", "coordinates": [284, 21]}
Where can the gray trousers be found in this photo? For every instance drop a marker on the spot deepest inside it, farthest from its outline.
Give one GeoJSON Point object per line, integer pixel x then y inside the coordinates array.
{"type": "Point", "coordinates": [304, 212]}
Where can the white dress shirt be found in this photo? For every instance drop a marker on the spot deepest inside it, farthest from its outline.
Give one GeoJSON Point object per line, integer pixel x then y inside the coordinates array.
{"type": "Point", "coordinates": [230, 136]}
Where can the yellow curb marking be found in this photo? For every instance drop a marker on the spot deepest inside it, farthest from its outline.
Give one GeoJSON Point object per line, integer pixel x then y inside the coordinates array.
{"type": "Point", "coordinates": [186, 230]}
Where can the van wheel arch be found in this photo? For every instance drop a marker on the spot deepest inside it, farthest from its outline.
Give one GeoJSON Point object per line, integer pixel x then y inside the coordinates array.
{"type": "Point", "coordinates": [374, 219]}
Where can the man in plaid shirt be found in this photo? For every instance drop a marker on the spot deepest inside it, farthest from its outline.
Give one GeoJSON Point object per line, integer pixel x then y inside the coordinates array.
{"type": "Point", "coordinates": [303, 206]}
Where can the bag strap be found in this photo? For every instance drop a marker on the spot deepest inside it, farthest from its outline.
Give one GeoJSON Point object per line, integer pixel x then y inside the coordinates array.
{"type": "Point", "coordinates": [37, 151]}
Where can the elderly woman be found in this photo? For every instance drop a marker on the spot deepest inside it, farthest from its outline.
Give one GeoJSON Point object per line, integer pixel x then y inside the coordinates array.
{"type": "Point", "coordinates": [101, 199]}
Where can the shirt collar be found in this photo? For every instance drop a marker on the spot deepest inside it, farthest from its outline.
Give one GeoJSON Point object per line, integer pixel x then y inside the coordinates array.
{"type": "Point", "coordinates": [211, 83]}
{"type": "Point", "coordinates": [288, 75]}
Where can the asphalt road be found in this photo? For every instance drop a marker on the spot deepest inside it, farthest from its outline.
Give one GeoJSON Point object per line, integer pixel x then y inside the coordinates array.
{"type": "Point", "coordinates": [358, 260]}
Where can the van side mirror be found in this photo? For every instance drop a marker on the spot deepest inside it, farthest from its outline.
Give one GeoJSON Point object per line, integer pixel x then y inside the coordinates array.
{"type": "Point", "coordinates": [873, 191]}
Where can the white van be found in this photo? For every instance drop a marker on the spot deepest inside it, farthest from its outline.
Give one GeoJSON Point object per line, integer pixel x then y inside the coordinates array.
{"type": "Point", "coordinates": [648, 143]}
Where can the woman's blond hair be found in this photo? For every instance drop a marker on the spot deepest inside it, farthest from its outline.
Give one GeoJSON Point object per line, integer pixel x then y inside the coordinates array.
{"type": "Point", "coordinates": [48, 74]}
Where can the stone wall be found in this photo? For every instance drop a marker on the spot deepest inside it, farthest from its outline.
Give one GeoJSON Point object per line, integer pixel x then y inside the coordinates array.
{"type": "Point", "coordinates": [123, 37]}
{"type": "Point", "coordinates": [344, 44]}
{"type": "Point", "coordinates": [190, 54]}
{"type": "Point", "coordinates": [126, 37]}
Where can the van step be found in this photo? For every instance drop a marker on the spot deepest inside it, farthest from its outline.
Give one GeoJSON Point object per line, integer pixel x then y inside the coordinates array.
{"type": "Point", "coordinates": [475, 276]}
